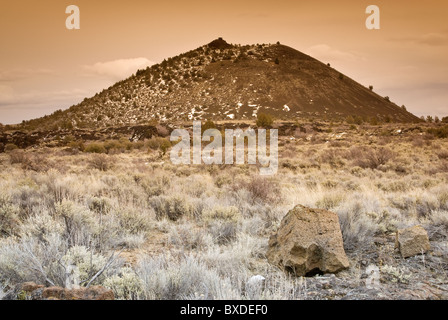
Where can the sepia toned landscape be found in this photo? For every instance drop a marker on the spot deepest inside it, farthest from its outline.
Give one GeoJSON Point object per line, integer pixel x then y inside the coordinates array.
{"type": "Point", "coordinates": [90, 201]}
{"type": "Point", "coordinates": [236, 151]}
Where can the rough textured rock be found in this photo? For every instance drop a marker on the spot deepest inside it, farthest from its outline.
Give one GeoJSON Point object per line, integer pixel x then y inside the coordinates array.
{"type": "Point", "coordinates": [412, 241]}
{"type": "Point", "coordinates": [30, 287]}
{"type": "Point", "coordinates": [308, 242]}
{"type": "Point", "coordinates": [32, 291]}
{"type": "Point", "coordinates": [92, 293]}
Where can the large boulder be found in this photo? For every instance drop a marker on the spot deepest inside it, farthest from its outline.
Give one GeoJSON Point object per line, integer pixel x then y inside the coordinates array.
{"type": "Point", "coordinates": [412, 241]}
{"type": "Point", "coordinates": [308, 242]}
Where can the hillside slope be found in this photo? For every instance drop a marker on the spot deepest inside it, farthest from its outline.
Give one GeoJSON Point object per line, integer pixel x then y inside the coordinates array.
{"type": "Point", "coordinates": [223, 81]}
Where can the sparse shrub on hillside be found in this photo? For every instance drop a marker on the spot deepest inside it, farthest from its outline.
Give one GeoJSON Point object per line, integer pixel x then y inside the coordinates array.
{"type": "Point", "coordinates": [113, 146]}
{"type": "Point", "coordinates": [126, 144]}
{"type": "Point", "coordinates": [76, 145]}
{"type": "Point", "coordinates": [264, 120]}
{"type": "Point", "coordinates": [209, 124]}
{"type": "Point", "coordinates": [154, 143]}
{"type": "Point", "coordinates": [162, 144]}
{"type": "Point", "coordinates": [441, 132]}
{"type": "Point", "coordinates": [95, 148]}
{"type": "Point", "coordinates": [354, 120]}
{"type": "Point", "coordinates": [374, 121]}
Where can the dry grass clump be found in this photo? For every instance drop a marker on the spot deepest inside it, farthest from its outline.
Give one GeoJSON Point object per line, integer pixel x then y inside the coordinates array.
{"type": "Point", "coordinates": [443, 155]}
{"type": "Point", "coordinates": [9, 218]}
{"type": "Point", "coordinates": [29, 161]}
{"type": "Point", "coordinates": [171, 207]}
{"type": "Point", "coordinates": [371, 158]}
{"type": "Point", "coordinates": [261, 189]}
{"type": "Point", "coordinates": [95, 148]}
{"type": "Point", "coordinates": [100, 162]}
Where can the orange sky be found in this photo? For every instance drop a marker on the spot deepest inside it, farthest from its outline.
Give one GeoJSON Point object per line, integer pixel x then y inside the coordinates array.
{"type": "Point", "coordinates": [44, 66]}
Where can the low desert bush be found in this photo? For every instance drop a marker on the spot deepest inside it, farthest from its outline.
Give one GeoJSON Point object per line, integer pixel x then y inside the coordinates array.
{"type": "Point", "coordinates": [171, 207]}
{"type": "Point", "coordinates": [330, 200]}
{"type": "Point", "coordinates": [79, 223]}
{"type": "Point", "coordinates": [264, 120]}
{"type": "Point", "coordinates": [356, 226]}
{"type": "Point", "coordinates": [441, 132]}
{"type": "Point", "coordinates": [95, 148]}
{"type": "Point", "coordinates": [184, 278]}
{"type": "Point", "coordinates": [154, 185]}
{"type": "Point", "coordinates": [229, 214]}
{"type": "Point", "coordinates": [333, 157]}
{"type": "Point", "coordinates": [443, 155]}
{"type": "Point", "coordinates": [369, 157]}
{"type": "Point", "coordinates": [265, 190]}
{"type": "Point", "coordinates": [10, 147]}
{"type": "Point", "coordinates": [125, 284]}
{"type": "Point", "coordinates": [19, 157]}
{"type": "Point", "coordinates": [223, 232]}
{"type": "Point", "coordinates": [188, 237]}
{"type": "Point", "coordinates": [133, 221]}
{"type": "Point", "coordinates": [9, 217]}
{"type": "Point", "coordinates": [158, 143]}
{"type": "Point", "coordinates": [100, 162]}
{"type": "Point", "coordinates": [113, 146]}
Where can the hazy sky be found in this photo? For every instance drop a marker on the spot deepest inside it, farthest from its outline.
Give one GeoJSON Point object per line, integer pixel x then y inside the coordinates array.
{"type": "Point", "coordinates": [45, 67]}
